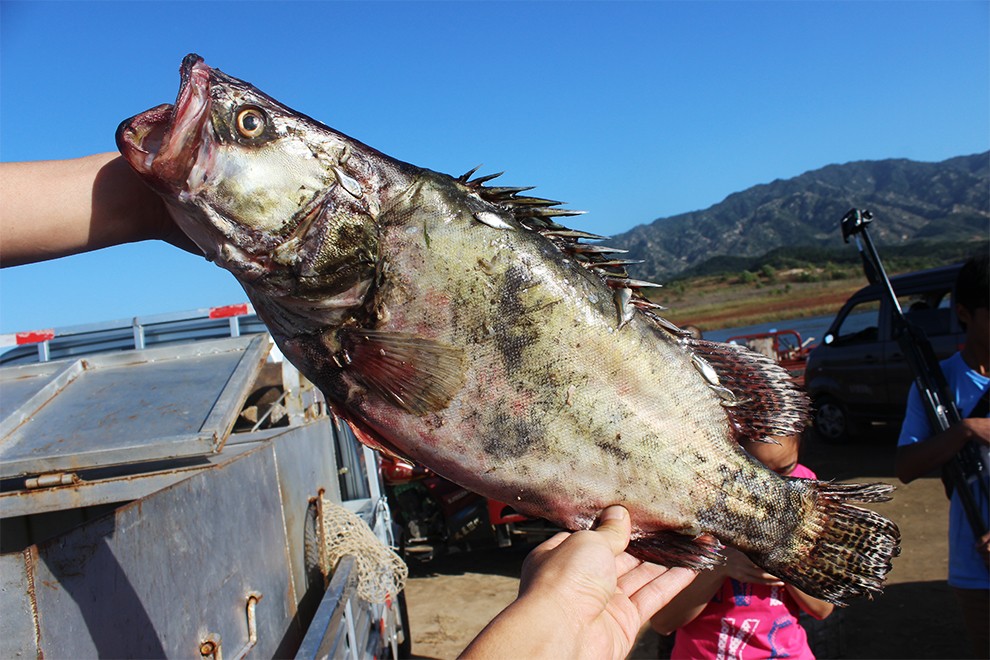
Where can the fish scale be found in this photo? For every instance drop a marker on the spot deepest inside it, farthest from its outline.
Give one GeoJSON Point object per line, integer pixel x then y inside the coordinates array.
{"type": "Point", "coordinates": [460, 326]}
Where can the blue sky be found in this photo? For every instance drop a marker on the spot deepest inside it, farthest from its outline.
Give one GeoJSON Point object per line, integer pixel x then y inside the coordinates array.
{"type": "Point", "coordinates": [628, 110]}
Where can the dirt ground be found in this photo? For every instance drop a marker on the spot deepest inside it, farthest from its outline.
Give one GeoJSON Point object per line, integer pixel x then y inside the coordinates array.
{"type": "Point", "coordinates": [452, 598]}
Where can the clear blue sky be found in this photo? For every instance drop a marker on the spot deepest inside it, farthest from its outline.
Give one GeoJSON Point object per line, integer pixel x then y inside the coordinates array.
{"type": "Point", "coordinates": [628, 110]}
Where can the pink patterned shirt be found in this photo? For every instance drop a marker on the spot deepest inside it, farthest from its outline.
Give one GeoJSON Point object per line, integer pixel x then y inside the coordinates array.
{"type": "Point", "coordinates": [744, 621]}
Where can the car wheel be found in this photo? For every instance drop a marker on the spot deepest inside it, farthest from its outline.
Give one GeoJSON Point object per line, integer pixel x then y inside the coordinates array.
{"type": "Point", "coordinates": [832, 420]}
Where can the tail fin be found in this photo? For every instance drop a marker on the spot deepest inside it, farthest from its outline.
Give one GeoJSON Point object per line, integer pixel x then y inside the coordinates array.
{"type": "Point", "coordinates": [838, 551]}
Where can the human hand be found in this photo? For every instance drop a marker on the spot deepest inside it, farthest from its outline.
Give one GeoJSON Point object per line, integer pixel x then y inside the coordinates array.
{"type": "Point", "coordinates": [978, 428]}
{"type": "Point", "coordinates": [581, 595]}
{"type": "Point", "coordinates": [983, 547]}
{"type": "Point", "coordinates": [121, 198]}
{"type": "Point", "coordinates": [739, 567]}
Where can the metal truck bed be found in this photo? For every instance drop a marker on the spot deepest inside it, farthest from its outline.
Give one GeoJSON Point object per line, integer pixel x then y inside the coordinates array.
{"type": "Point", "coordinates": [140, 516]}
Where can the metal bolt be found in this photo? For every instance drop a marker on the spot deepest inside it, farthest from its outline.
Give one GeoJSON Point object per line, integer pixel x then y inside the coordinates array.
{"type": "Point", "coordinates": [207, 648]}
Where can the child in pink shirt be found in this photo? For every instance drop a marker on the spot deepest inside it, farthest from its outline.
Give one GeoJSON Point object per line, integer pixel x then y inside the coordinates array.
{"type": "Point", "coordinates": [738, 610]}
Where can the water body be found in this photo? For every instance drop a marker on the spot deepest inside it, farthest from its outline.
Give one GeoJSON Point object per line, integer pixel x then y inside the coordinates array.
{"type": "Point", "coordinates": [812, 327]}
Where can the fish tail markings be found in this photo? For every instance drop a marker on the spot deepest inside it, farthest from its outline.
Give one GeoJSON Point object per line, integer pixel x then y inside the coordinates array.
{"type": "Point", "coordinates": [838, 550]}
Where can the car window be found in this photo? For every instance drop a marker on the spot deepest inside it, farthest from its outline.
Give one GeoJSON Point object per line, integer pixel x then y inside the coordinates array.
{"type": "Point", "coordinates": [861, 323]}
{"type": "Point", "coordinates": [929, 310]}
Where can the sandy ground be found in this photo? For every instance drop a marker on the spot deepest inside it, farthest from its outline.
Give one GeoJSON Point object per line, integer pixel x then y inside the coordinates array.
{"type": "Point", "coordinates": [453, 597]}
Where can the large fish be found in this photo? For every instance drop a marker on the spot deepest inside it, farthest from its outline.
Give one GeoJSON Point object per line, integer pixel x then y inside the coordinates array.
{"type": "Point", "coordinates": [458, 325]}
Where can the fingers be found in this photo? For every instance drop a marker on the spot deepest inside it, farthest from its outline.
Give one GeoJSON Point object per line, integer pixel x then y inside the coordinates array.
{"type": "Point", "coordinates": [756, 575]}
{"type": "Point", "coordinates": [979, 427]}
{"type": "Point", "coordinates": [625, 563]}
{"type": "Point", "coordinates": [614, 526]}
{"type": "Point", "coordinates": [659, 591]}
{"type": "Point", "coordinates": [636, 577]}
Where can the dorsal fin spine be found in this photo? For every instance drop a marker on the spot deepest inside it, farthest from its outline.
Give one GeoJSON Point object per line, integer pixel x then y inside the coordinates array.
{"type": "Point", "coordinates": [537, 214]}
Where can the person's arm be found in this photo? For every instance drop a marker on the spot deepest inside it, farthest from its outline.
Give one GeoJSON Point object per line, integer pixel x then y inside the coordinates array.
{"type": "Point", "coordinates": [56, 208]}
{"type": "Point", "coordinates": [580, 596]}
{"type": "Point", "coordinates": [920, 458]}
{"type": "Point", "coordinates": [983, 548]}
{"type": "Point", "coordinates": [813, 606]}
{"type": "Point", "coordinates": [687, 605]}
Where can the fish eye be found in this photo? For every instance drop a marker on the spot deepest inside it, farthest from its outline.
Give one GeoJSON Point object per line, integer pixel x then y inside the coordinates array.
{"type": "Point", "coordinates": [250, 122]}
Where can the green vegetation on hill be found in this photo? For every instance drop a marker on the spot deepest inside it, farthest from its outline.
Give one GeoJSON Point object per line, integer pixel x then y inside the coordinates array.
{"type": "Point", "coordinates": [786, 284]}
{"type": "Point", "coordinates": [897, 258]}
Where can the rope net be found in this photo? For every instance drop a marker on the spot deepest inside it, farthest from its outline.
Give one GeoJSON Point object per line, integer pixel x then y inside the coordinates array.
{"type": "Point", "coordinates": [380, 571]}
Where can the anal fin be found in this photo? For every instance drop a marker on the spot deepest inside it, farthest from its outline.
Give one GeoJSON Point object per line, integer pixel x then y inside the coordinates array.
{"type": "Point", "coordinates": [669, 548]}
{"type": "Point", "coordinates": [418, 375]}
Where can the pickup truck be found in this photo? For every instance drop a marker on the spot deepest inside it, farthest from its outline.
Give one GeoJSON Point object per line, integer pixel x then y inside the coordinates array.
{"type": "Point", "coordinates": [165, 484]}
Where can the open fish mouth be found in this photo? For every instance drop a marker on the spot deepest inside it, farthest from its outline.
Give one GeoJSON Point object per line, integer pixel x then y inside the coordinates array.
{"type": "Point", "coordinates": [164, 143]}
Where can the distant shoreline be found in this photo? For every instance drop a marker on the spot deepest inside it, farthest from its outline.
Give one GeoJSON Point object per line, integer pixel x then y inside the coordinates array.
{"type": "Point", "coordinates": [715, 303]}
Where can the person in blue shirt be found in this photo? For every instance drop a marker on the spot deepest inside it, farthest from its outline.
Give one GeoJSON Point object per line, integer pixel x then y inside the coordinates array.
{"type": "Point", "coordinates": [919, 450]}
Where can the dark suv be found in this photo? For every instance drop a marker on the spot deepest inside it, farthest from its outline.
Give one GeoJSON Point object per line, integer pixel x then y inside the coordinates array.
{"type": "Point", "coordinates": [858, 377]}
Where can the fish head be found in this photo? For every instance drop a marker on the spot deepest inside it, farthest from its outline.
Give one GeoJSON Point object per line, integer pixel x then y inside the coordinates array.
{"type": "Point", "coordinates": [243, 175]}
{"type": "Point", "coordinates": [285, 203]}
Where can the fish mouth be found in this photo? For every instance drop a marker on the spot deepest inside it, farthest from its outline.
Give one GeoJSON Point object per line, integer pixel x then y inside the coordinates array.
{"type": "Point", "coordinates": [164, 143]}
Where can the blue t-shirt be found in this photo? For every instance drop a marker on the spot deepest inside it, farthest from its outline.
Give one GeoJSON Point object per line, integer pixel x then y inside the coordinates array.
{"type": "Point", "coordinates": [966, 567]}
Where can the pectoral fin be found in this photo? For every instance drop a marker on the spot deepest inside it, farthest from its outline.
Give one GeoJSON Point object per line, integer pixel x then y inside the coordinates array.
{"type": "Point", "coordinates": [418, 375]}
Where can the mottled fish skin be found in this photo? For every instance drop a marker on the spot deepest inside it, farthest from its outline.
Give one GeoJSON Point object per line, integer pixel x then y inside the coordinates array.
{"type": "Point", "coordinates": [561, 413]}
{"type": "Point", "coordinates": [459, 326]}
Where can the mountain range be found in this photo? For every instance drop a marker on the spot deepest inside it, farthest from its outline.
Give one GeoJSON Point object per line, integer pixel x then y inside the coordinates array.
{"type": "Point", "coordinates": [947, 201]}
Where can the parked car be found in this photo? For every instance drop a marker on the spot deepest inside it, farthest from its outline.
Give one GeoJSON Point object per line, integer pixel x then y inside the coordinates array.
{"type": "Point", "coordinates": [857, 377]}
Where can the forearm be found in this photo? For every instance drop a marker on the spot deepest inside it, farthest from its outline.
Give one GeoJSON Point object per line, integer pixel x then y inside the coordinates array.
{"type": "Point", "coordinates": [813, 606]}
{"type": "Point", "coordinates": [921, 458]}
{"type": "Point", "coordinates": [687, 605]}
{"type": "Point", "coordinates": [56, 208]}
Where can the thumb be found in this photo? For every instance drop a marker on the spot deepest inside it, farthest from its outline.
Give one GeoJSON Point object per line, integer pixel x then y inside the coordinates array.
{"type": "Point", "coordinates": [615, 525]}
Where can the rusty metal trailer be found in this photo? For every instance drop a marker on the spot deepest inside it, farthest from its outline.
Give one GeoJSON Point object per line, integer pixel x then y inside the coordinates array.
{"type": "Point", "coordinates": [165, 501]}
